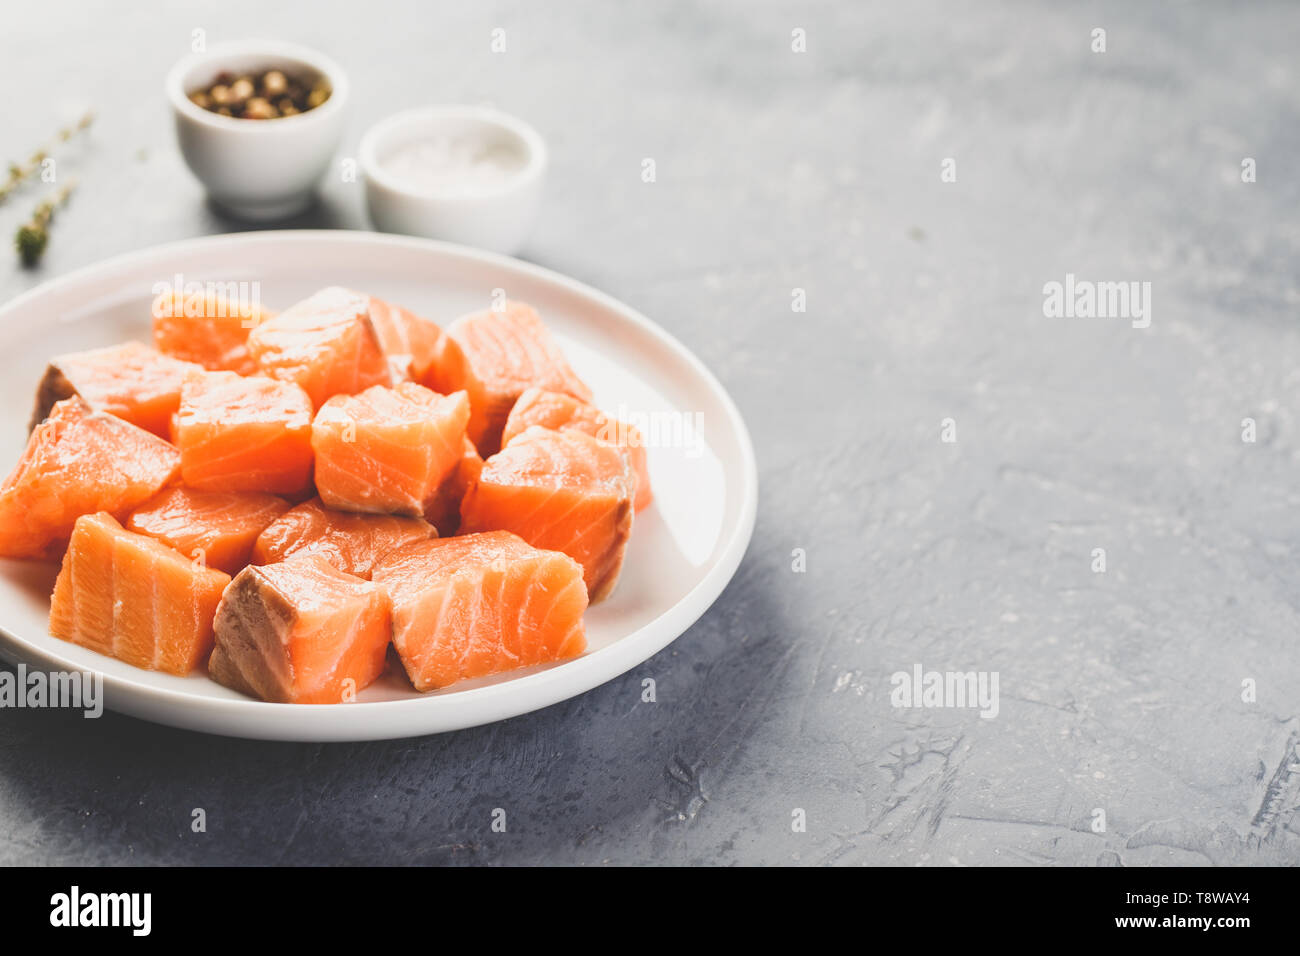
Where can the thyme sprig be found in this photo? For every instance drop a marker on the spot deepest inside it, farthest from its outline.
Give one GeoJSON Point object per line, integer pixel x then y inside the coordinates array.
{"type": "Point", "coordinates": [34, 235]}
{"type": "Point", "coordinates": [19, 172]}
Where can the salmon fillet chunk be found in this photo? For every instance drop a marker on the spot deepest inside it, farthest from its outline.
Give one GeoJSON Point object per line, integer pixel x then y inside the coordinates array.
{"type": "Point", "coordinates": [217, 528]}
{"type": "Point", "coordinates": [300, 632]}
{"type": "Point", "coordinates": [238, 433]}
{"type": "Point", "coordinates": [481, 604]}
{"type": "Point", "coordinates": [132, 597]}
{"type": "Point", "coordinates": [77, 462]}
{"type": "Point", "coordinates": [498, 355]}
{"type": "Point", "coordinates": [351, 542]}
{"type": "Point", "coordinates": [559, 411]}
{"type": "Point", "coordinates": [132, 381]}
{"type": "Point", "coordinates": [412, 344]}
{"type": "Point", "coordinates": [209, 330]}
{"type": "Point", "coordinates": [562, 491]}
{"type": "Point", "coordinates": [387, 450]}
{"type": "Point", "coordinates": [327, 344]}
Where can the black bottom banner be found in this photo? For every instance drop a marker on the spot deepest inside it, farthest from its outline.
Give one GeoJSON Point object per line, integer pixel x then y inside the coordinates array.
{"type": "Point", "coordinates": [332, 904]}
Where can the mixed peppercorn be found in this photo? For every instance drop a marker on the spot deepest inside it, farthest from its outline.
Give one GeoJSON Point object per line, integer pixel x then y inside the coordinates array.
{"type": "Point", "coordinates": [269, 94]}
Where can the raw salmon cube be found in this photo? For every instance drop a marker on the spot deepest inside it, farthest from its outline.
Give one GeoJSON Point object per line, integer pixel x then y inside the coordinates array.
{"type": "Point", "coordinates": [561, 491]}
{"type": "Point", "coordinates": [499, 355]}
{"type": "Point", "coordinates": [300, 632]}
{"type": "Point", "coordinates": [387, 450]}
{"type": "Point", "coordinates": [444, 511]}
{"type": "Point", "coordinates": [558, 411]}
{"type": "Point", "coordinates": [132, 597]}
{"type": "Point", "coordinates": [217, 528]}
{"type": "Point", "coordinates": [132, 381]}
{"type": "Point", "coordinates": [412, 344]}
{"type": "Point", "coordinates": [326, 343]}
{"type": "Point", "coordinates": [78, 461]}
{"type": "Point", "coordinates": [351, 542]}
{"type": "Point", "coordinates": [239, 433]}
{"type": "Point", "coordinates": [481, 604]}
{"type": "Point", "coordinates": [209, 330]}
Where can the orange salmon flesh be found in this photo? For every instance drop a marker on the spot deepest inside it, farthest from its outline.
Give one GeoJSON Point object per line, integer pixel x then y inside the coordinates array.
{"type": "Point", "coordinates": [300, 632]}
{"type": "Point", "coordinates": [327, 344]}
{"type": "Point", "coordinates": [559, 412]}
{"type": "Point", "coordinates": [353, 543]}
{"type": "Point", "coordinates": [217, 528]}
{"type": "Point", "coordinates": [501, 355]}
{"type": "Point", "coordinates": [387, 450]}
{"type": "Point", "coordinates": [238, 433]}
{"type": "Point", "coordinates": [132, 597]}
{"type": "Point", "coordinates": [77, 462]}
{"type": "Point", "coordinates": [562, 491]}
{"type": "Point", "coordinates": [481, 604]}
{"type": "Point", "coordinates": [210, 330]}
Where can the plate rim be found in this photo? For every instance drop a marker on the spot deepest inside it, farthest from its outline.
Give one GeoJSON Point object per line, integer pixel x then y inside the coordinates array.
{"type": "Point", "coordinates": [522, 695]}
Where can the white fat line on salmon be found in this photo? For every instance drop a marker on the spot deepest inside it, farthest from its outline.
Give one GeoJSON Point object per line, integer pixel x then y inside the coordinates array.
{"type": "Point", "coordinates": [75, 908]}
{"type": "Point", "coordinates": [77, 690]}
{"type": "Point", "coordinates": [673, 429]}
{"type": "Point", "coordinates": [227, 299]}
{"type": "Point", "coordinates": [957, 689]}
{"type": "Point", "coordinates": [1084, 299]}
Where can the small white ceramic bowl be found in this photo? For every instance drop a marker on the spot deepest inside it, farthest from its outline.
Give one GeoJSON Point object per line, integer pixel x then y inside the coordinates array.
{"type": "Point", "coordinates": [496, 218]}
{"type": "Point", "coordinates": [258, 170]}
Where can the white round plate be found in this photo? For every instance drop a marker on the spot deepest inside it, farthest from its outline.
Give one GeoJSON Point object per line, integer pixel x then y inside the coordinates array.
{"type": "Point", "coordinates": [684, 549]}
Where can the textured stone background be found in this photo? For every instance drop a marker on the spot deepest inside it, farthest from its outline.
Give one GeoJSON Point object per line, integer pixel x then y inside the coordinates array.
{"type": "Point", "coordinates": [1119, 691]}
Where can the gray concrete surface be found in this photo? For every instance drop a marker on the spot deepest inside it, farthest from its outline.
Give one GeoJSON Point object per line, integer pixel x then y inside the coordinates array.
{"type": "Point", "coordinates": [1120, 692]}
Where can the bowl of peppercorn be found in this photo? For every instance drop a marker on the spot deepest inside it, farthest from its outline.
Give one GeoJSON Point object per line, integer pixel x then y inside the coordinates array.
{"type": "Point", "coordinates": [258, 123]}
